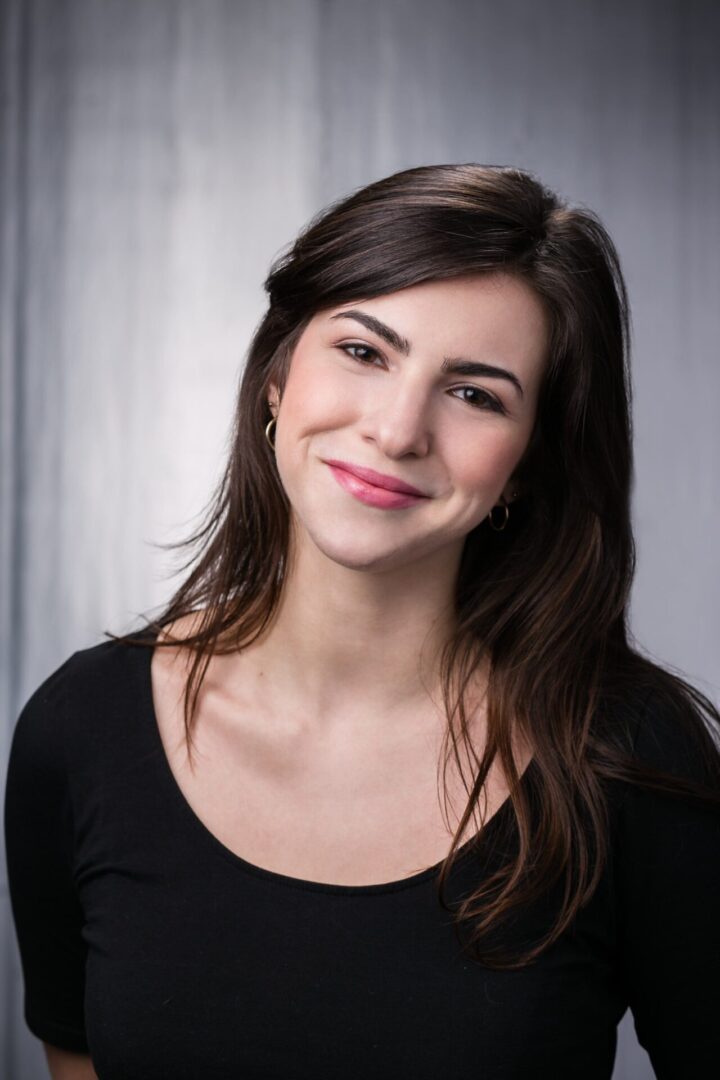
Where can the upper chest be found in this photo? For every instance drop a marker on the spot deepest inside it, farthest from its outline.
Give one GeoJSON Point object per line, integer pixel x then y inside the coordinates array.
{"type": "Point", "coordinates": [329, 808]}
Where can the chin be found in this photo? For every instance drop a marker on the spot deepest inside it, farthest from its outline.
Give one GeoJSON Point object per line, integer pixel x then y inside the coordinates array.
{"type": "Point", "coordinates": [355, 552]}
{"type": "Point", "coordinates": [357, 556]}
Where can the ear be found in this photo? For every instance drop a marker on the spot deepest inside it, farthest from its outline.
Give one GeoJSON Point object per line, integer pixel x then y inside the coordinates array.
{"type": "Point", "coordinates": [273, 398]}
{"type": "Point", "coordinates": [512, 491]}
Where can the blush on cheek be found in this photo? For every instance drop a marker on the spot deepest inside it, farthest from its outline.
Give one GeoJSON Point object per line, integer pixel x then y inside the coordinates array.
{"type": "Point", "coordinates": [485, 468]}
{"type": "Point", "coordinates": [314, 392]}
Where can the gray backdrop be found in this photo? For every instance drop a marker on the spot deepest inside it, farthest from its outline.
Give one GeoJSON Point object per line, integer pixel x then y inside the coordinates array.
{"type": "Point", "coordinates": [156, 155]}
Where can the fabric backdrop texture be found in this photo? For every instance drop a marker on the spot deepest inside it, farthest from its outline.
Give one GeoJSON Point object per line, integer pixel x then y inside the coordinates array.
{"type": "Point", "coordinates": [156, 156]}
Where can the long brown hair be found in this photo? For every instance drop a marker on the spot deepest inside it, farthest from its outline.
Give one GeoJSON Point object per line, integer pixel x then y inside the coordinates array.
{"type": "Point", "coordinates": [546, 598]}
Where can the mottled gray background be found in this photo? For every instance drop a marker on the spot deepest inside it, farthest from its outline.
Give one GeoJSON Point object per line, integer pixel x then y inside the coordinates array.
{"type": "Point", "coordinates": [155, 157]}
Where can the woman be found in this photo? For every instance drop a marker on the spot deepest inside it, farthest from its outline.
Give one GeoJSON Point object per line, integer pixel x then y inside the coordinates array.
{"type": "Point", "coordinates": [385, 790]}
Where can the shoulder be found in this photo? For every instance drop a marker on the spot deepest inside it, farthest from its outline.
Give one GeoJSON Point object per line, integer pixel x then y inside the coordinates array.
{"type": "Point", "coordinates": [82, 704]}
{"type": "Point", "coordinates": [666, 724]}
{"type": "Point", "coordinates": [667, 882]}
{"type": "Point", "coordinates": [674, 733]}
{"type": "Point", "coordinates": [671, 812]}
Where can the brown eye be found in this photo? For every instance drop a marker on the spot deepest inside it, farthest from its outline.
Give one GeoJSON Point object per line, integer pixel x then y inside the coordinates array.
{"type": "Point", "coordinates": [363, 348]}
{"type": "Point", "coordinates": [486, 400]}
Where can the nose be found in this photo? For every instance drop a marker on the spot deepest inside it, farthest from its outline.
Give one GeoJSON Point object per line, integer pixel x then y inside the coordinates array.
{"type": "Point", "coordinates": [399, 420]}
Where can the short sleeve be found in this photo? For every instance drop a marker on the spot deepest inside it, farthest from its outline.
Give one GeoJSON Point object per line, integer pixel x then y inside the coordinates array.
{"type": "Point", "coordinates": [38, 843]}
{"type": "Point", "coordinates": [668, 880]}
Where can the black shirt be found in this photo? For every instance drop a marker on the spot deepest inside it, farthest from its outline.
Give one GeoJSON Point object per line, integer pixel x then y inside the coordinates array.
{"type": "Point", "coordinates": [148, 943]}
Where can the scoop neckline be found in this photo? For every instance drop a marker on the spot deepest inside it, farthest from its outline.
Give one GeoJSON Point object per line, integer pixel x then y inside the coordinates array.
{"type": "Point", "coordinates": [275, 876]}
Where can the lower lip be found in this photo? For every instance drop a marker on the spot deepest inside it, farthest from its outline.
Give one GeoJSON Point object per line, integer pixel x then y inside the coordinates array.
{"type": "Point", "coordinates": [371, 495]}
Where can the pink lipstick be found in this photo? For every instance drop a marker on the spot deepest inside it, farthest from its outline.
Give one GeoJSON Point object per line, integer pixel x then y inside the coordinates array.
{"type": "Point", "coordinates": [384, 497]}
{"type": "Point", "coordinates": [377, 479]}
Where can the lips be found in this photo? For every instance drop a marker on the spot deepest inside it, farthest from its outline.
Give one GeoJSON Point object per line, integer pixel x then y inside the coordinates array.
{"type": "Point", "coordinates": [381, 480]}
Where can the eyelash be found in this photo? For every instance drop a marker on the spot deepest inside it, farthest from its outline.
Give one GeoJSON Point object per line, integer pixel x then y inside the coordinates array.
{"type": "Point", "coordinates": [493, 403]}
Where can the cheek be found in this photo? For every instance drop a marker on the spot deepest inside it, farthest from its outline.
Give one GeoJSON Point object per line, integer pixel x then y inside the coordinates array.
{"type": "Point", "coordinates": [484, 464]}
{"type": "Point", "coordinates": [313, 400]}
{"type": "Point", "coordinates": [312, 404]}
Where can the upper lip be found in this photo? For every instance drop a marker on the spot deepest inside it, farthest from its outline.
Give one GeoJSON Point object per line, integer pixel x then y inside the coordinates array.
{"type": "Point", "coordinates": [382, 480]}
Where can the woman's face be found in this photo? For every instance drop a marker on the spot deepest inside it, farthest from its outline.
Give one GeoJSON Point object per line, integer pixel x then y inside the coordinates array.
{"type": "Point", "coordinates": [385, 397]}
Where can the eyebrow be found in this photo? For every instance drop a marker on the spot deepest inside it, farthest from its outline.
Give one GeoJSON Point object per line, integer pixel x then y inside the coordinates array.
{"type": "Point", "coordinates": [452, 365]}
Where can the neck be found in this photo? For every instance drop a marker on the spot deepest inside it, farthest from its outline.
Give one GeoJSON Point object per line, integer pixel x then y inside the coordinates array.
{"type": "Point", "coordinates": [355, 645]}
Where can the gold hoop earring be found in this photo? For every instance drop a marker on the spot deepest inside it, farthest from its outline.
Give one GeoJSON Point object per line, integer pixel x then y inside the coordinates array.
{"type": "Point", "coordinates": [267, 432]}
{"type": "Point", "coordinates": [499, 528]}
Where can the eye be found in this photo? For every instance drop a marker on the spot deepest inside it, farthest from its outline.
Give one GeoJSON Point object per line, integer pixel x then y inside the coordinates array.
{"type": "Point", "coordinates": [363, 348]}
{"type": "Point", "coordinates": [487, 401]}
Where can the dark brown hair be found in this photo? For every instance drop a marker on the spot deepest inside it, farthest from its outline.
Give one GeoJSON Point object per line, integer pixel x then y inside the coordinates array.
{"type": "Point", "coordinates": [546, 598]}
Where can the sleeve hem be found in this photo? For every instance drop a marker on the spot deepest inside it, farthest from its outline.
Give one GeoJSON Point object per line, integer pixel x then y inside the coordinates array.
{"type": "Point", "coordinates": [57, 1034]}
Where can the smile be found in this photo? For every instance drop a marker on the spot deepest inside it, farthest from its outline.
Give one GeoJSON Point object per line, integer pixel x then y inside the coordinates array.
{"type": "Point", "coordinates": [370, 494]}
